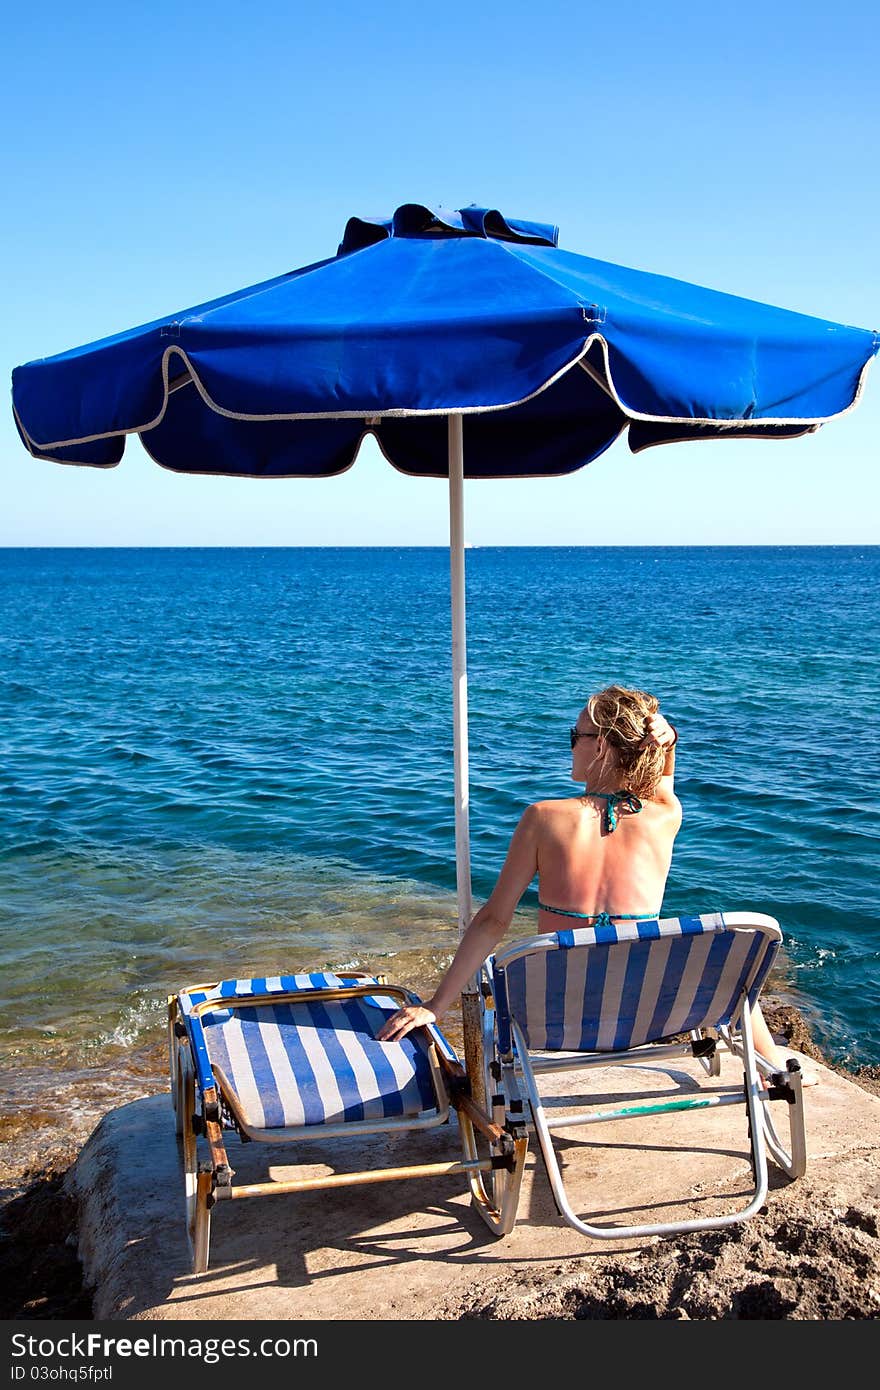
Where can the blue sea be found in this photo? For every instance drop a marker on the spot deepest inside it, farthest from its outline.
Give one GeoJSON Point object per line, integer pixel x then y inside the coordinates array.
{"type": "Point", "coordinates": [218, 762]}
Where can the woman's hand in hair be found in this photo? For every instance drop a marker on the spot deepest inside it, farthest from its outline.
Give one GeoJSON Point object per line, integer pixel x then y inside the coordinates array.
{"type": "Point", "coordinates": [659, 733]}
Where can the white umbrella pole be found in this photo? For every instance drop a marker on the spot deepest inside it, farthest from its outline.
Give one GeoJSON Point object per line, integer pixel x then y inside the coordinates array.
{"type": "Point", "coordinates": [459, 672]}
{"type": "Point", "coordinates": [471, 1012]}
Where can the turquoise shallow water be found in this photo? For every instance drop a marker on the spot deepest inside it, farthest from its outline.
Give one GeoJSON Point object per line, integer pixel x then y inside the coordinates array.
{"type": "Point", "coordinates": [225, 761]}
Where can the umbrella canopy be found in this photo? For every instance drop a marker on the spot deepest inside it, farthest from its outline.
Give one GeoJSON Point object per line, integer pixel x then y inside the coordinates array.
{"type": "Point", "coordinates": [418, 321]}
{"type": "Point", "coordinates": [429, 313]}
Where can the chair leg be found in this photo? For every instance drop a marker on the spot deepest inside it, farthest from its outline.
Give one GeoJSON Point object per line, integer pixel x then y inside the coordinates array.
{"type": "Point", "coordinates": [198, 1178]}
{"type": "Point", "coordinates": [792, 1161]}
{"type": "Point", "coordinates": [512, 1183]}
{"type": "Point", "coordinates": [495, 1195]}
{"type": "Point", "coordinates": [195, 1196]}
{"type": "Point", "coordinates": [756, 1113]}
{"type": "Point", "coordinates": [201, 1239]}
{"type": "Point", "coordinates": [173, 1048]}
{"type": "Point", "coordinates": [182, 1113]}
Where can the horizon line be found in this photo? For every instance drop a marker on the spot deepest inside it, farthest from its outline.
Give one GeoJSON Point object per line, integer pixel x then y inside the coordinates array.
{"type": "Point", "coordinates": [469, 545]}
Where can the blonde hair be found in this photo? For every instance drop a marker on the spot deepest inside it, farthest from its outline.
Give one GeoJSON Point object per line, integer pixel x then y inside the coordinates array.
{"type": "Point", "coordinates": [621, 716]}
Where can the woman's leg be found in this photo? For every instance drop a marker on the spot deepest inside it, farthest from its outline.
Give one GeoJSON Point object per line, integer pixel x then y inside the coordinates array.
{"type": "Point", "coordinates": [764, 1042]}
{"type": "Point", "coordinates": [768, 1049]}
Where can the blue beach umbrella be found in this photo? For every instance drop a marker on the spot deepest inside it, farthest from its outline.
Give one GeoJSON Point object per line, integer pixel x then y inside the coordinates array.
{"type": "Point", "coordinates": [469, 345]}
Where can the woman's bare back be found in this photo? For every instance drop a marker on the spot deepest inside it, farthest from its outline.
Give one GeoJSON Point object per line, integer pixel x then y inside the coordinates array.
{"type": "Point", "coordinates": [583, 868]}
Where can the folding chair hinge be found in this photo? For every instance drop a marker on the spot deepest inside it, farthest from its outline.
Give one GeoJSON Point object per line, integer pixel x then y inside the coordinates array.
{"type": "Point", "coordinates": [703, 1047]}
{"type": "Point", "coordinates": [504, 1161]}
{"type": "Point", "coordinates": [513, 1131]}
{"type": "Point", "coordinates": [212, 1112]}
{"type": "Point", "coordinates": [458, 1085]}
{"type": "Point", "coordinates": [223, 1175]}
{"type": "Point", "coordinates": [210, 1200]}
{"type": "Point", "coordinates": [780, 1088]}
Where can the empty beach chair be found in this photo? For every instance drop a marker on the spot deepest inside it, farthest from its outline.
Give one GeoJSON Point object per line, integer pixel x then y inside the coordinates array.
{"type": "Point", "coordinates": [296, 1057]}
{"type": "Point", "coordinates": [616, 993]}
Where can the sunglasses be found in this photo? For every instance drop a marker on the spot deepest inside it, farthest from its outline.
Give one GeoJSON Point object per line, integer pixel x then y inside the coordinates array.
{"type": "Point", "coordinates": [575, 733]}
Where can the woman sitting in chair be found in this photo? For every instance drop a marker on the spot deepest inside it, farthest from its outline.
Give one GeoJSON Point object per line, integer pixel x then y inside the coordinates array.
{"type": "Point", "coordinates": [603, 854]}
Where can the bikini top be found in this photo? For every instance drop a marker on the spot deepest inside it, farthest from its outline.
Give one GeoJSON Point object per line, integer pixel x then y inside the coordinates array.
{"type": "Point", "coordinates": [612, 801]}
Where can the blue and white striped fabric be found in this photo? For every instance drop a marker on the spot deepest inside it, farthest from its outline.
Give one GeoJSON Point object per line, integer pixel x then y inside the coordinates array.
{"type": "Point", "coordinates": [612, 987]}
{"type": "Point", "coordinates": [312, 1060]}
{"type": "Point", "coordinates": [268, 984]}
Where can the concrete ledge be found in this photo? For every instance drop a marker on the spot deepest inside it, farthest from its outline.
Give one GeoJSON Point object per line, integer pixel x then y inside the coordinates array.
{"type": "Point", "coordinates": [404, 1249]}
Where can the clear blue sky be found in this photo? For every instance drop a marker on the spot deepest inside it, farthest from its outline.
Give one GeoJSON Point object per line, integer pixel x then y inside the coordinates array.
{"type": "Point", "coordinates": [156, 156]}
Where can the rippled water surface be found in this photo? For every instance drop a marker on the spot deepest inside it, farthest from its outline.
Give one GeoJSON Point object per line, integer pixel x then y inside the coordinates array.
{"type": "Point", "coordinates": [230, 761]}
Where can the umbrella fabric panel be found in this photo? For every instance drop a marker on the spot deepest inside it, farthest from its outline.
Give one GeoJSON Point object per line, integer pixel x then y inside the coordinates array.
{"type": "Point", "coordinates": [551, 434]}
{"type": "Point", "coordinates": [404, 326]}
{"type": "Point", "coordinates": [193, 438]}
{"type": "Point", "coordinates": [98, 453]}
{"type": "Point", "coordinates": [680, 351]}
{"type": "Point", "coordinates": [645, 434]}
{"type": "Point", "coordinates": [111, 386]}
{"type": "Point", "coordinates": [555, 432]}
{"type": "Point", "coordinates": [116, 386]}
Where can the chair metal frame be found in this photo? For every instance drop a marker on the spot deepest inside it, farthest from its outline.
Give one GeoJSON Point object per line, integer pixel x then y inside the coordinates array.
{"type": "Point", "coordinates": [513, 1069]}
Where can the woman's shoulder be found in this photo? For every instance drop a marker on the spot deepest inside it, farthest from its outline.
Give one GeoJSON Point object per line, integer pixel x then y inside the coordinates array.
{"type": "Point", "coordinates": [545, 812]}
{"type": "Point", "coordinates": [665, 803]}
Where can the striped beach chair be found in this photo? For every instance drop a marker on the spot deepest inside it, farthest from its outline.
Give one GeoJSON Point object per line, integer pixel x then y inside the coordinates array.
{"type": "Point", "coordinates": [296, 1057]}
{"type": "Point", "coordinates": [639, 992]}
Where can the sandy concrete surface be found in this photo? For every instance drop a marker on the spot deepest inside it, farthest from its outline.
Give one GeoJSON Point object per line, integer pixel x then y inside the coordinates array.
{"type": "Point", "coordinates": [418, 1250]}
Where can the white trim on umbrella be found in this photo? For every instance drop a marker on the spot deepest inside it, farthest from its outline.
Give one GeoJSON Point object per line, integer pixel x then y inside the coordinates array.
{"type": "Point", "coordinates": [756, 424]}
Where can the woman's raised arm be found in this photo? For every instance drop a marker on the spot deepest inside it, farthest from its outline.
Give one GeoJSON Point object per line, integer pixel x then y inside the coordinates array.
{"type": "Point", "coordinates": [661, 734]}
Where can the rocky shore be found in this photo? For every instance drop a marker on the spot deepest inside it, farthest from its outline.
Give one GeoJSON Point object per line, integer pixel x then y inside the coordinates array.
{"type": "Point", "coordinates": [812, 1253]}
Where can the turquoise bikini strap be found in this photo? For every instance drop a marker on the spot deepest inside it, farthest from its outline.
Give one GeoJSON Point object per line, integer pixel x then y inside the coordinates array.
{"type": "Point", "coordinates": [612, 801]}
{"type": "Point", "coordinates": [602, 919]}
